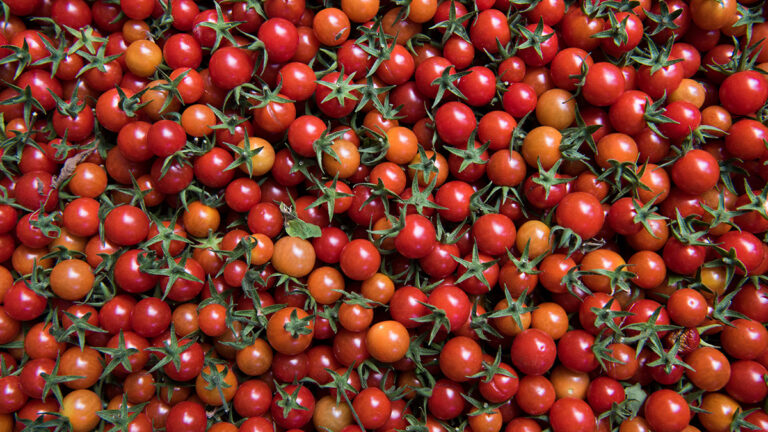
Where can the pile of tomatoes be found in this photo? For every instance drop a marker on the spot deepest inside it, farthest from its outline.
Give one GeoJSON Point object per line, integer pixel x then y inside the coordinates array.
{"type": "Point", "coordinates": [408, 215]}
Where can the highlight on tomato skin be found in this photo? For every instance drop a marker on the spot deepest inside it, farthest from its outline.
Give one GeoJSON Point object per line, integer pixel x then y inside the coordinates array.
{"type": "Point", "coordinates": [340, 216]}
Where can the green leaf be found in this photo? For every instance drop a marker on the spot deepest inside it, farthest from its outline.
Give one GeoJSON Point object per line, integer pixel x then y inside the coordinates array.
{"type": "Point", "coordinates": [301, 229]}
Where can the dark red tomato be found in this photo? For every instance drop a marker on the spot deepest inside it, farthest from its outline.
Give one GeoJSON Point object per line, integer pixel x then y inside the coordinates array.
{"type": "Point", "coordinates": [752, 301]}
{"type": "Point", "coordinates": [603, 392]}
{"type": "Point", "coordinates": [577, 29]}
{"type": "Point", "coordinates": [582, 213]}
{"type": "Point", "coordinates": [454, 302]}
{"type": "Point", "coordinates": [686, 119]}
{"type": "Point", "coordinates": [747, 383]}
{"type": "Point", "coordinates": [129, 276]}
{"type": "Point", "coordinates": [406, 304]}
{"type": "Point", "coordinates": [446, 401]}
{"type": "Point", "coordinates": [182, 50]}
{"type": "Point", "coordinates": [298, 81]}
{"type": "Point", "coordinates": [42, 86]}
{"type": "Point", "coordinates": [667, 411]}
{"type": "Point", "coordinates": [455, 122]}
{"type": "Point", "coordinates": [535, 395]}
{"type": "Point", "coordinates": [631, 29]}
{"type": "Point", "coordinates": [280, 39]}
{"type": "Point", "coordinates": [547, 45]}
{"type": "Point", "coordinates": [454, 198]}
{"type": "Point", "coordinates": [475, 285]}
{"type": "Point", "coordinates": [109, 111]}
{"type": "Point", "coordinates": [166, 137]}
{"type": "Point", "coordinates": [533, 352]}
{"type": "Point", "coordinates": [185, 289]}
{"type": "Point", "coordinates": [212, 169]}
{"type": "Point", "coordinates": [571, 415]}
{"type": "Point", "coordinates": [683, 258]}
{"type": "Point", "coordinates": [574, 349]}
{"type": "Point", "coordinates": [293, 418]}
{"type": "Point", "coordinates": [479, 86]}
{"type": "Point", "coordinates": [696, 172]}
{"type": "Point", "coordinates": [186, 416]}
{"type": "Point", "coordinates": [13, 397]}
{"type": "Point", "coordinates": [22, 303]}
{"type": "Point", "coordinates": [229, 67]}
{"type": "Point", "coordinates": [744, 92]}
{"type": "Point", "coordinates": [489, 31]}
{"type": "Point", "coordinates": [687, 307]}
{"type": "Point", "coordinates": [594, 305]}
{"type": "Point", "coordinates": [360, 259]}
{"type": "Point", "coordinates": [494, 233]}
{"type": "Point", "coordinates": [745, 139]}
{"type": "Point", "coordinates": [335, 106]}
{"type": "Point", "coordinates": [252, 398]}
{"type": "Point", "coordinates": [627, 114]}
{"type": "Point", "coordinates": [373, 407]}
{"type": "Point", "coordinates": [417, 237]}
{"type": "Point", "coordinates": [35, 190]}
{"type": "Point", "coordinates": [151, 317]}
{"type": "Point", "coordinates": [664, 80]}
{"type": "Point", "coordinates": [747, 246]}
{"type": "Point", "coordinates": [190, 359]}
{"type": "Point", "coordinates": [460, 358]}
{"type": "Point", "coordinates": [115, 314]}
{"type": "Point", "coordinates": [126, 225]}
{"type": "Point", "coordinates": [642, 310]}
{"type": "Point", "coordinates": [603, 85]}
{"type": "Point", "coordinates": [744, 339]}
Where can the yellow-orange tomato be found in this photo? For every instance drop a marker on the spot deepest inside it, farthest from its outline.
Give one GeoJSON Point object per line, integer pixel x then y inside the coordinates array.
{"type": "Point", "coordinates": [293, 256]}
{"type": "Point", "coordinates": [213, 396]}
{"type": "Point", "coordinates": [535, 234]}
{"type": "Point", "coordinates": [255, 359]}
{"type": "Point", "coordinates": [143, 57]}
{"type": "Point", "coordinates": [331, 416]}
{"type": "Point", "coordinates": [89, 180]}
{"type": "Point", "coordinates": [197, 120]}
{"type": "Point", "coordinates": [403, 145]}
{"type": "Point", "coordinates": [259, 155]}
{"type": "Point", "coordinates": [200, 218]}
{"type": "Point", "coordinates": [325, 285]}
{"type": "Point", "coordinates": [387, 341]}
{"type": "Point", "coordinates": [542, 145]}
{"type": "Point", "coordinates": [569, 383]}
{"type": "Point", "coordinates": [342, 160]}
{"type": "Point", "coordinates": [71, 279]}
{"type": "Point", "coordinates": [80, 408]}
{"type": "Point", "coordinates": [378, 288]}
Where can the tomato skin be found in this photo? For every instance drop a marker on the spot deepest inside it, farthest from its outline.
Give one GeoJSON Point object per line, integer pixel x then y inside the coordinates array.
{"type": "Point", "coordinates": [603, 84]}
{"type": "Point", "coordinates": [360, 259]}
{"type": "Point", "coordinates": [667, 411]}
{"type": "Point", "coordinates": [23, 304]}
{"type": "Point", "coordinates": [417, 238]}
{"type": "Point", "coordinates": [294, 418]}
{"type": "Point", "coordinates": [186, 416]}
{"type": "Point", "coordinates": [279, 337]}
{"type": "Point", "coordinates": [533, 352]}
{"type": "Point", "coordinates": [446, 401]}
{"type": "Point", "coordinates": [581, 212]}
{"type": "Point", "coordinates": [746, 383]}
{"type": "Point", "coordinates": [571, 415]}
{"type": "Point", "coordinates": [13, 395]}
{"type": "Point", "coordinates": [711, 368]}
{"type": "Point", "coordinates": [696, 172]}
{"type": "Point", "coordinates": [488, 28]}
{"type": "Point", "coordinates": [745, 340]}
{"type": "Point", "coordinates": [455, 122]}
